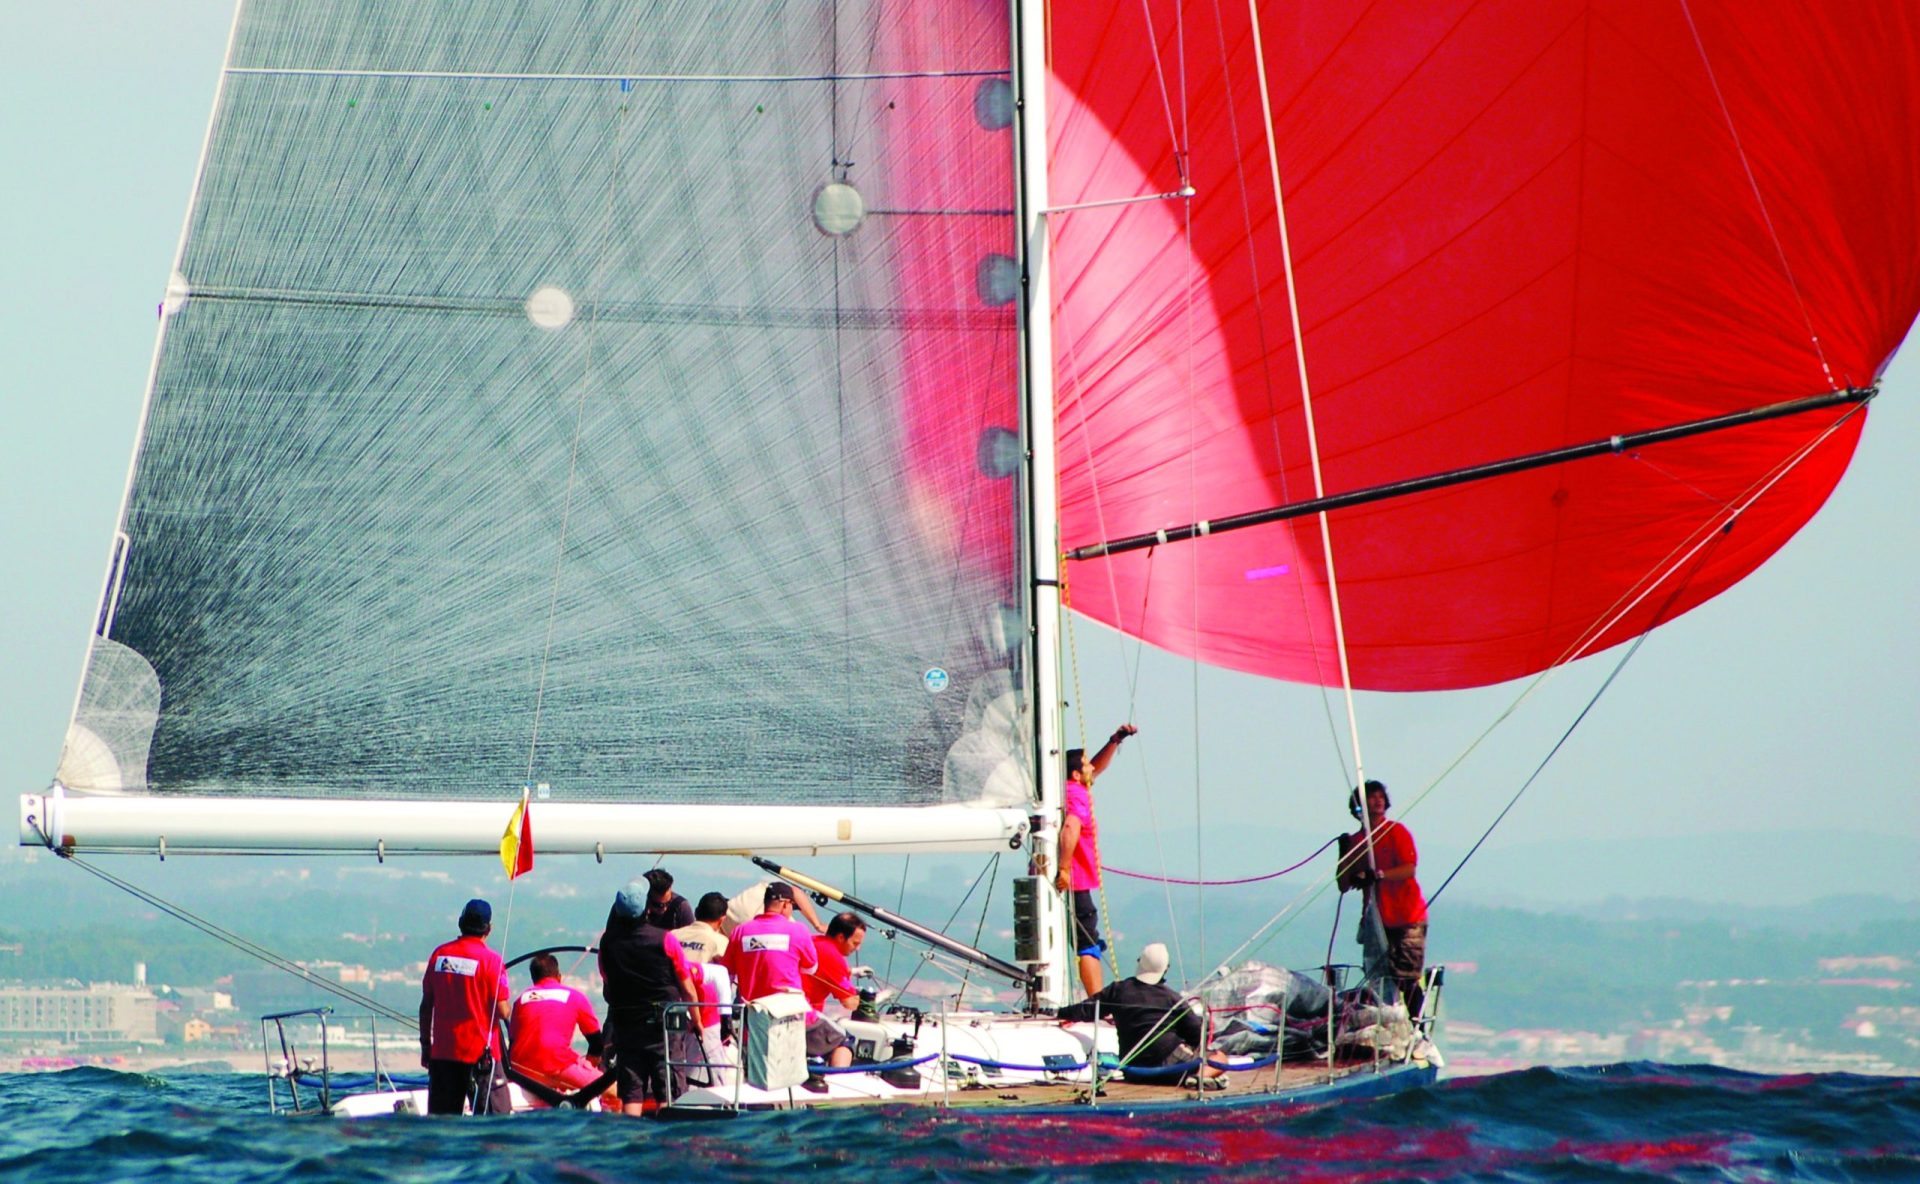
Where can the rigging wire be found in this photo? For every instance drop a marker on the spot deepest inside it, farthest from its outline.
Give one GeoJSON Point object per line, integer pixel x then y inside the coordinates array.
{"type": "Point", "coordinates": [1306, 404]}
{"type": "Point", "coordinates": [1119, 871]}
{"type": "Point", "coordinates": [1700, 560]}
{"type": "Point", "coordinates": [951, 917]}
{"type": "Point", "coordinates": [980, 927]}
{"type": "Point", "coordinates": [1753, 182]}
{"type": "Point", "coordinates": [246, 946]}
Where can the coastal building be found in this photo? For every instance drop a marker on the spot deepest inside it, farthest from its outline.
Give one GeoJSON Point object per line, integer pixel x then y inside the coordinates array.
{"type": "Point", "coordinates": [100, 1013]}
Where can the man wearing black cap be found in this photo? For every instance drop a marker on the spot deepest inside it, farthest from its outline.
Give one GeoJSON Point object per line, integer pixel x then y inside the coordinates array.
{"type": "Point", "coordinates": [464, 989]}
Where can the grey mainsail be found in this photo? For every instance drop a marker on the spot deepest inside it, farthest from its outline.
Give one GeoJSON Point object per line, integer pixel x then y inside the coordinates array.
{"type": "Point", "coordinates": [605, 395]}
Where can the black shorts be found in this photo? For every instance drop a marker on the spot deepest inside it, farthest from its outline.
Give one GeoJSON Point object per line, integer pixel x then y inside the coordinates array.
{"type": "Point", "coordinates": [1086, 925]}
{"type": "Point", "coordinates": [450, 1084]}
{"type": "Point", "coordinates": [639, 1045]}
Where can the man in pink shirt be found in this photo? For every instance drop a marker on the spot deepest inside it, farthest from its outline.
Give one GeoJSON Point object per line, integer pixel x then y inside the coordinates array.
{"type": "Point", "coordinates": [1079, 871]}
{"type": "Point", "coordinates": [772, 953]}
{"type": "Point", "coordinates": [545, 1017]}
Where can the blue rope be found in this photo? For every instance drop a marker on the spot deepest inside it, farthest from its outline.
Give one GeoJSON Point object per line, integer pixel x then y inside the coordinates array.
{"type": "Point", "coordinates": [365, 1081]}
{"type": "Point", "coordinates": [880, 1067]}
{"type": "Point", "coordinates": [988, 1063]}
{"type": "Point", "coordinates": [1159, 1071]}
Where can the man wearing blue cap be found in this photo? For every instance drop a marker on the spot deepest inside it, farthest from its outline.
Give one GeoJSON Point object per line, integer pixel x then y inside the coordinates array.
{"type": "Point", "coordinates": [464, 989]}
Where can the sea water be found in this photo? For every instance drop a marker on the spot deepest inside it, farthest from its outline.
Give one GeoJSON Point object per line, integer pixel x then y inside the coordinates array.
{"type": "Point", "coordinates": [1628, 1122]}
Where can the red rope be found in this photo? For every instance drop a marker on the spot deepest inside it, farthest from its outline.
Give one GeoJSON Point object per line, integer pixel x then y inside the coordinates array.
{"type": "Point", "coordinates": [1120, 871]}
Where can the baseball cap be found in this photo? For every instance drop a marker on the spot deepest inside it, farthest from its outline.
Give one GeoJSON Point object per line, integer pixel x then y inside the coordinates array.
{"type": "Point", "coordinates": [1153, 963]}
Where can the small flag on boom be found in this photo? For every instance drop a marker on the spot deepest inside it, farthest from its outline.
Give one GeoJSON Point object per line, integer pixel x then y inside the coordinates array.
{"type": "Point", "coordinates": [516, 845]}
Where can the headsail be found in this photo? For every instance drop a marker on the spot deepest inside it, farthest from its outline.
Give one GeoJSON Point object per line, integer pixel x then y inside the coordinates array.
{"type": "Point", "coordinates": [1516, 226]}
{"type": "Point", "coordinates": [583, 394]}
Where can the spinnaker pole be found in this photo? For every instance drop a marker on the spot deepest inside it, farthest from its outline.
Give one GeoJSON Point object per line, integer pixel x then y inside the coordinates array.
{"type": "Point", "coordinates": [895, 921]}
{"type": "Point", "coordinates": [1498, 468]}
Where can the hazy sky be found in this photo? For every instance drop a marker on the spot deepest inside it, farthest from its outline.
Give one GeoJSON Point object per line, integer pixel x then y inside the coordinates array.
{"type": "Point", "coordinates": [1787, 705]}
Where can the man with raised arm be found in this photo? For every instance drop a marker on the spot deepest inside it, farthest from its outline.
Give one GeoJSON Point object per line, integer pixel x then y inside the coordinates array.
{"type": "Point", "coordinates": [1079, 871]}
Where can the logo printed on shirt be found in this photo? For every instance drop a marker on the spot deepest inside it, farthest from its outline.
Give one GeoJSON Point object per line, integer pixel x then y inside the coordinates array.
{"type": "Point", "coordinates": [465, 967]}
{"type": "Point", "coordinates": [766, 942]}
{"type": "Point", "coordinates": [544, 995]}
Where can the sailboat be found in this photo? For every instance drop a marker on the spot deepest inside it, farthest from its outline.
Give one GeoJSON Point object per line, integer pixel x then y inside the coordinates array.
{"type": "Point", "coordinates": [708, 417]}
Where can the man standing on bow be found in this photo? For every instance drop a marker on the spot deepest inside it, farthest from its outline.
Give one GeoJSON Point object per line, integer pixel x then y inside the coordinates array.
{"type": "Point", "coordinates": [462, 994]}
{"type": "Point", "coordinates": [1402, 906]}
{"type": "Point", "coordinates": [1079, 871]}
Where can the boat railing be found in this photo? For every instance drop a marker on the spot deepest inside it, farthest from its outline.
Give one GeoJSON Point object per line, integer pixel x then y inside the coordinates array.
{"type": "Point", "coordinates": [301, 1083]}
{"type": "Point", "coordinates": [680, 1026]}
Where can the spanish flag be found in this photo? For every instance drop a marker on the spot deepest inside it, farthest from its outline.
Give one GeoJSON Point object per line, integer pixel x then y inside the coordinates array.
{"type": "Point", "coordinates": [516, 845]}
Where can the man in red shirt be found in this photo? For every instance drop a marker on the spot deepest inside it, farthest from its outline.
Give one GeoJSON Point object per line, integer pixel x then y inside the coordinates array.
{"type": "Point", "coordinates": [1402, 906]}
{"type": "Point", "coordinates": [545, 1017]}
{"type": "Point", "coordinates": [463, 990]}
{"type": "Point", "coordinates": [833, 977]}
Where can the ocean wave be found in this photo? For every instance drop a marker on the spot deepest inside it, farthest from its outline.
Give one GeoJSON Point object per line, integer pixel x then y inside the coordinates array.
{"type": "Point", "coordinates": [1634, 1121]}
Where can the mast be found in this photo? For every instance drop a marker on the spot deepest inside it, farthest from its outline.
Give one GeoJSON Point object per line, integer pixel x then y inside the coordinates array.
{"type": "Point", "coordinates": [1042, 486]}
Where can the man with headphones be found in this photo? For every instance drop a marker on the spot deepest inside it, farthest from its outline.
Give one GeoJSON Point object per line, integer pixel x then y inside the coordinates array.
{"type": "Point", "coordinates": [1389, 875]}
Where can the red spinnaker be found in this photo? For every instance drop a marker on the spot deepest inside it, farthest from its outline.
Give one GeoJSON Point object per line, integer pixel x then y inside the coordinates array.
{"type": "Point", "coordinates": [1515, 225]}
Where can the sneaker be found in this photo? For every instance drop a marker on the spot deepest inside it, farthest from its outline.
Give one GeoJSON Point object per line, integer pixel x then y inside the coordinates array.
{"type": "Point", "coordinates": [815, 1084]}
{"type": "Point", "coordinates": [1195, 1081]}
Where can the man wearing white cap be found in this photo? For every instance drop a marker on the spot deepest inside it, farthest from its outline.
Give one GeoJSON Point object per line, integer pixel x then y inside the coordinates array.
{"type": "Point", "coordinates": [1157, 1027]}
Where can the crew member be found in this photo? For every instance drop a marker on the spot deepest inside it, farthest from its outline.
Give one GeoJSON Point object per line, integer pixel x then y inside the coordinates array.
{"type": "Point", "coordinates": [545, 1017]}
{"type": "Point", "coordinates": [1079, 871]}
{"type": "Point", "coordinates": [1157, 1028]}
{"type": "Point", "coordinates": [750, 901]}
{"type": "Point", "coordinates": [702, 943]}
{"type": "Point", "coordinates": [461, 994]}
{"type": "Point", "coordinates": [1402, 906]}
{"type": "Point", "coordinates": [833, 977]}
{"type": "Point", "coordinates": [669, 911]}
{"type": "Point", "coordinates": [642, 969]}
{"type": "Point", "coordinates": [772, 954]}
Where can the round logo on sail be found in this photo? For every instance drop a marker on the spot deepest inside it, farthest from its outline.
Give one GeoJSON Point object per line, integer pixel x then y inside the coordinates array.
{"type": "Point", "coordinates": [935, 680]}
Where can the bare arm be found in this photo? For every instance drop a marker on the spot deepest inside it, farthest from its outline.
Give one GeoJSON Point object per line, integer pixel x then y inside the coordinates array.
{"type": "Point", "coordinates": [1069, 841]}
{"type": "Point", "coordinates": [1104, 757]}
{"type": "Point", "coordinates": [805, 908]}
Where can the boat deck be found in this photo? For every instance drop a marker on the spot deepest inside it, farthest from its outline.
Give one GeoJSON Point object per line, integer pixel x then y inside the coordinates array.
{"type": "Point", "coordinates": [1305, 1083]}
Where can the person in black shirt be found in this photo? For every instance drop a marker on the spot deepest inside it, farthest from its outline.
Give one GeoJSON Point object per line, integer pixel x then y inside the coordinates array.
{"type": "Point", "coordinates": [1156, 1026]}
{"type": "Point", "coordinates": [641, 968]}
{"type": "Point", "coordinates": [665, 908]}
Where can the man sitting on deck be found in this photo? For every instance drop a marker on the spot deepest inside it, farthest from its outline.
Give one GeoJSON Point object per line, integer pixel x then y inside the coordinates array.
{"type": "Point", "coordinates": [1157, 1028]}
{"type": "Point", "coordinates": [545, 1017]}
